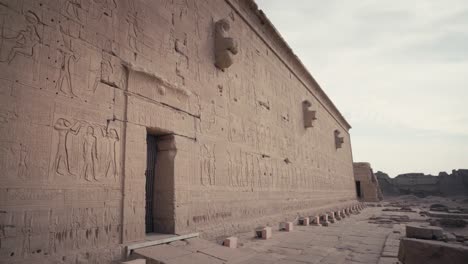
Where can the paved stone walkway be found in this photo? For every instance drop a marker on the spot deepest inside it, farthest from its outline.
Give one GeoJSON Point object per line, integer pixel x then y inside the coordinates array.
{"type": "Point", "coordinates": [351, 240]}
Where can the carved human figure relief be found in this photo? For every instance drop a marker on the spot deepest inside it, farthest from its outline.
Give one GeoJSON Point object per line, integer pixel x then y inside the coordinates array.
{"type": "Point", "coordinates": [338, 140]}
{"type": "Point", "coordinates": [27, 232]}
{"type": "Point", "coordinates": [134, 29]}
{"type": "Point", "coordinates": [26, 39]}
{"type": "Point", "coordinates": [68, 57]}
{"type": "Point", "coordinates": [23, 163]}
{"type": "Point", "coordinates": [110, 164]}
{"type": "Point", "coordinates": [64, 127]}
{"type": "Point", "coordinates": [89, 155]}
{"type": "Point", "coordinates": [225, 47]}
{"type": "Point", "coordinates": [309, 115]}
{"type": "Point", "coordinates": [207, 173]}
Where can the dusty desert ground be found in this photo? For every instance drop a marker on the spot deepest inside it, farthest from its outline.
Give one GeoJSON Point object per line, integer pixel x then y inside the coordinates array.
{"type": "Point", "coordinates": [371, 236]}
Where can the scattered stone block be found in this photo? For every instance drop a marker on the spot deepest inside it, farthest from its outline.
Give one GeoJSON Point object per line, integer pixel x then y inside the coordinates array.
{"type": "Point", "coordinates": [416, 251]}
{"type": "Point", "coordinates": [316, 221]}
{"type": "Point", "coordinates": [286, 226]}
{"type": "Point", "coordinates": [449, 222]}
{"type": "Point", "coordinates": [342, 214]}
{"type": "Point", "coordinates": [230, 242]}
{"type": "Point", "coordinates": [449, 237]}
{"type": "Point", "coordinates": [324, 220]}
{"type": "Point", "coordinates": [347, 212]}
{"type": "Point", "coordinates": [438, 207]}
{"type": "Point", "coordinates": [135, 261]}
{"type": "Point", "coordinates": [424, 232]}
{"type": "Point", "coordinates": [331, 217]}
{"type": "Point", "coordinates": [338, 215]}
{"type": "Point", "coordinates": [304, 221]}
{"type": "Point", "coordinates": [263, 232]}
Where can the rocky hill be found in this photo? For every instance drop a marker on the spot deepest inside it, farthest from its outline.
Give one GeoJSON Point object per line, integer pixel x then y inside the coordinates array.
{"type": "Point", "coordinates": [423, 185]}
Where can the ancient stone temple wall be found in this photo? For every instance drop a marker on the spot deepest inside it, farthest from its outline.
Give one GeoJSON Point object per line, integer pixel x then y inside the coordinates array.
{"type": "Point", "coordinates": [248, 136]}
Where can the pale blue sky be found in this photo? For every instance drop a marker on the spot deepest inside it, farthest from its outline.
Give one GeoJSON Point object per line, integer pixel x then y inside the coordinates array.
{"type": "Point", "coordinates": [397, 70]}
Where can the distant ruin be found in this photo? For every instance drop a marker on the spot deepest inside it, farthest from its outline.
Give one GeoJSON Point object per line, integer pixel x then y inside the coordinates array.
{"type": "Point", "coordinates": [423, 185]}
{"type": "Point", "coordinates": [367, 185]}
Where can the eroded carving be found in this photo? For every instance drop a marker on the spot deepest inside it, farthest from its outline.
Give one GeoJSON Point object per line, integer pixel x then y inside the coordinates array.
{"type": "Point", "coordinates": [134, 29]}
{"type": "Point", "coordinates": [64, 127]}
{"type": "Point", "coordinates": [112, 71]}
{"type": "Point", "coordinates": [207, 172]}
{"type": "Point", "coordinates": [69, 57]}
{"type": "Point", "coordinates": [26, 39]}
{"type": "Point", "coordinates": [225, 47]}
{"type": "Point", "coordinates": [23, 162]}
{"type": "Point", "coordinates": [338, 140]}
{"type": "Point", "coordinates": [72, 8]}
{"type": "Point", "coordinates": [309, 115]}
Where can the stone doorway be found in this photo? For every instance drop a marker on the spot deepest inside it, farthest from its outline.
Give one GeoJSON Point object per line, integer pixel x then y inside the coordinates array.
{"type": "Point", "coordinates": [159, 196]}
{"type": "Point", "coordinates": [358, 189]}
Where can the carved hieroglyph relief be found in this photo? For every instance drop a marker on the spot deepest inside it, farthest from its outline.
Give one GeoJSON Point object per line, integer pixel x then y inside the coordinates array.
{"type": "Point", "coordinates": [110, 164]}
{"type": "Point", "coordinates": [134, 29]}
{"type": "Point", "coordinates": [68, 58]}
{"type": "Point", "coordinates": [208, 166]}
{"type": "Point", "coordinates": [64, 128]}
{"type": "Point", "coordinates": [95, 154]}
{"type": "Point", "coordinates": [89, 155]}
{"type": "Point", "coordinates": [225, 47]}
{"type": "Point", "coordinates": [24, 42]}
{"type": "Point", "coordinates": [23, 162]}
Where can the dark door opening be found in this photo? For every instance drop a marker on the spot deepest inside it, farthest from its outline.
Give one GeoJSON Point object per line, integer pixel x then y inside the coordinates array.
{"type": "Point", "coordinates": [160, 208]}
{"type": "Point", "coordinates": [151, 151]}
{"type": "Point", "coordinates": [358, 189]}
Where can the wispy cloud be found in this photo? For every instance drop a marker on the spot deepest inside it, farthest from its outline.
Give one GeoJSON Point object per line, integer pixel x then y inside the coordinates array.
{"type": "Point", "coordinates": [396, 69]}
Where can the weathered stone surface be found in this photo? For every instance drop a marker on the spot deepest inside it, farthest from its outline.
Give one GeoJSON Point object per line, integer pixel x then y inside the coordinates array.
{"type": "Point", "coordinates": [324, 220]}
{"type": "Point", "coordinates": [449, 222]}
{"type": "Point", "coordinates": [92, 91]}
{"type": "Point", "coordinates": [135, 261]}
{"type": "Point", "coordinates": [160, 252]}
{"type": "Point", "coordinates": [304, 221]}
{"type": "Point", "coordinates": [316, 221]}
{"type": "Point", "coordinates": [369, 189]}
{"type": "Point", "coordinates": [286, 226]}
{"type": "Point", "coordinates": [416, 251]}
{"type": "Point", "coordinates": [424, 232]}
{"type": "Point", "coordinates": [263, 232]}
{"type": "Point", "coordinates": [230, 242]}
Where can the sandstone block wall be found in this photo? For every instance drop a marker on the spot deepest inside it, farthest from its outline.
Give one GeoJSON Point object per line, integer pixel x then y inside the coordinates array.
{"type": "Point", "coordinates": [369, 185]}
{"type": "Point", "coordinates": [82, 83]}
